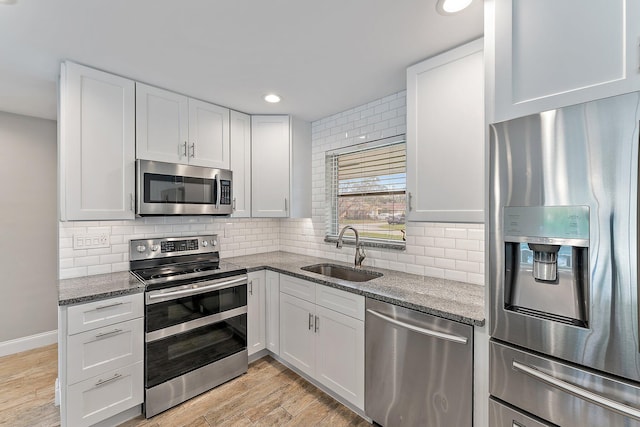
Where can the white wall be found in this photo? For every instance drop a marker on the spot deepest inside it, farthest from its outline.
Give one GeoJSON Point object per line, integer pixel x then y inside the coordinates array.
{"type": "Point", "coordinates": [452, 251]}
{"type": "Point", "coordinates": [28, 226]}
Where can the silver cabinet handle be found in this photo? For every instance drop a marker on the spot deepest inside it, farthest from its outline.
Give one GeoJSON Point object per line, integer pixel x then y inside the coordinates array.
{"type": "Point", "coordinates": [104, 334]}
{"type": "Point", "coordinates": [286, 208]}
{"type": "Point", "coordinates": [184, 149]}
{"type": "Point", "coordinates": [317, 324]}
{"type": "Point", "coordinates": [310, 321]}
{"type": "Point", "coordinates": [102, 307]}
{"type": "Point", "coordinates": [580, 392]}
{"type": "Point", "coordinates": [131, 202]}
{"type": "Point", "coordinates": [193, 149]}
{"type": "Point", "coordinates": [108, 380]}
{"type": "Point", "coordinates": [250, 287]}
{"type": "Point", "coordinates": [410, 197]}
{"type": "Point", "coordinates": [233, 206]}
{"type": "Point", "coordinates": [448, 337]}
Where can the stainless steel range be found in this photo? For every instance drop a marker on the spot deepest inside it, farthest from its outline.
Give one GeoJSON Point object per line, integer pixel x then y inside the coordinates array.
{"type": "Point", "coordinates": [195, 318]}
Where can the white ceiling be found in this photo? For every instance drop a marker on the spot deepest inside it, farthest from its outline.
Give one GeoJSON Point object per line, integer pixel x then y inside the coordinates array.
{"type": "Point", "coordinates": [321, 56]}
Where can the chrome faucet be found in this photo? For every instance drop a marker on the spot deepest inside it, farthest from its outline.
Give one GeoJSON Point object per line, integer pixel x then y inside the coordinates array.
{"type": "Point", "coordinates": [360, 255]}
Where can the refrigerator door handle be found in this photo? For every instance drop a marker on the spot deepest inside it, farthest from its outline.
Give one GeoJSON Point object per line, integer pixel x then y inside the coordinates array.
{"type": "Point", "coordinates": [580, 392]}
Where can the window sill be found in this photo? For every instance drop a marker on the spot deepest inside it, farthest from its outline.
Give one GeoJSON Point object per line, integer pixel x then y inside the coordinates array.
{"type": "Point", "coordinates": [400, 246]}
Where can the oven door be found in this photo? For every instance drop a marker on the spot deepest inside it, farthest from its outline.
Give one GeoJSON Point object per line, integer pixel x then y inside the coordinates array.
{"type": "Point", "coordinates": [188, 328]}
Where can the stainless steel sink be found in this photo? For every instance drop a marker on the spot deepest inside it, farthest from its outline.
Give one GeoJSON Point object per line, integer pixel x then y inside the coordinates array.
{"type": "Point", "coordinates": [342, 272]}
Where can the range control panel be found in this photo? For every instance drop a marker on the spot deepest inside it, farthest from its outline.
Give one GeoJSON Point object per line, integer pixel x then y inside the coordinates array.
{"type": "Point", "coordinates": [141, 249]}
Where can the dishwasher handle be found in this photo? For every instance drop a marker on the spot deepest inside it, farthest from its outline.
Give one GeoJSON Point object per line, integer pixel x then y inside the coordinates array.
{"type": "Point", "coordinates": [441, 335]}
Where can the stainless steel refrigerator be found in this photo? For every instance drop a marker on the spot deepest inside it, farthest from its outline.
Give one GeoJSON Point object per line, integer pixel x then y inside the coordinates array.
{"type": "Point", "coordinates": [563, 240]}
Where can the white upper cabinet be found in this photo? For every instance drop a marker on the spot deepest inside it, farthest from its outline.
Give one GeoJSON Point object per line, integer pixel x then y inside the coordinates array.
{"type": "Point", "coordinates": [550, 53]}
{"type": "Point", "coordinates": [176, 129]}
{"type": "Point", "coordinates": [208, 135]}
{"type": "Point", "coordinates": [96, 144]}
{"type": "Point", "coordinates": [445, 136]}
{"type": "Point", "coordinates": [280, 167]}
{"type": "Point", "coordinates": [241, 163]}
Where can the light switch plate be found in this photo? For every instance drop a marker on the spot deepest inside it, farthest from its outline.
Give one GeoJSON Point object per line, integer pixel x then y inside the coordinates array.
{"type": "Point", "coordinates": [90, 241]}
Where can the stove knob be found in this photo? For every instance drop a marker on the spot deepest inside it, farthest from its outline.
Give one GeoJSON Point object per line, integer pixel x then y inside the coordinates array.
{"type": "Point", "coordinates": [205, 243]}
{"type": "Point", "coordinates": [214, 242]}
{"type": "Point", "coordinates": [141, 248]}
{"type": "Point", "coordinates": [155, 248]}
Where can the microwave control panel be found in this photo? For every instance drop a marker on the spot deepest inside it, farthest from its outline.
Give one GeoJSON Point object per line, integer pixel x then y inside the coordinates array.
{"type": "Point", "coordinates": [225, 192]}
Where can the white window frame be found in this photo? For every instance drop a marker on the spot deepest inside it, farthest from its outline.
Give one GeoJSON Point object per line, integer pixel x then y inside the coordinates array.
{"type": "Point", "coordinates": [331, 220]}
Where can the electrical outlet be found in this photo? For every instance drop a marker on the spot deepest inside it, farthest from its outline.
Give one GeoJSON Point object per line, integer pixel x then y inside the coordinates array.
{"type": "Point", "coordinates": [90, 241]}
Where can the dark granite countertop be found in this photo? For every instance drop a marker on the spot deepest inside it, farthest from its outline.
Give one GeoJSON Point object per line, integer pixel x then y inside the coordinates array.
{"type": "Point", "coordinates": [453, 300]}
{"type": "Point", "coordinates": [462, 302]}
{"type": "Point", "coordinates": [93, 288]}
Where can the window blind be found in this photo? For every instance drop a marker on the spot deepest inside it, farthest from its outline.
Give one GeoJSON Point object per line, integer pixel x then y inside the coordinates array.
{"type": "Point", "coordinates": [366, 187]}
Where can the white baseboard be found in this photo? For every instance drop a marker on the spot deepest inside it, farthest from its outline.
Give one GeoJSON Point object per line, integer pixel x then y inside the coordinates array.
{"type": "Point", "coordinates": [28, 343]}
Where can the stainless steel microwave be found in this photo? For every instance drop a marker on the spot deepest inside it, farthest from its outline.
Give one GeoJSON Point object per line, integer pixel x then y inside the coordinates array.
{"type": "Point", "coordinates": [175, 189]}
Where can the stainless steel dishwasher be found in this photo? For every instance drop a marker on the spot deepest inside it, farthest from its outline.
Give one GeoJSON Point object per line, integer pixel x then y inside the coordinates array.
{"type": "Point", "coordinates": [418, 368]}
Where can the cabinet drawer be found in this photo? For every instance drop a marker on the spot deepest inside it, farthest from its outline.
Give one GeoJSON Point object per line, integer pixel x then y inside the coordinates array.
{"type": "Point", "coordinates": [97, 314]}
{"type": "Point", "coordinates": [298, 288]}
{"type": "Point", "coordinates": [101, 350]}
{"type": "Point", "coordinates": [104, 396]}
{"type": "Point", "coordinates": [341, 301]}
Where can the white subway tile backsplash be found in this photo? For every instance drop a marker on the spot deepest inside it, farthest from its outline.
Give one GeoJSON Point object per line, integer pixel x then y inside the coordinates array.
{"type": "Point", "coordinates": [454, 251]}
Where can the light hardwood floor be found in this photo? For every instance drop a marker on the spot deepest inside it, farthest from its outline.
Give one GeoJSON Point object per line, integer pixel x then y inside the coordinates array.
{"type": "Point", "coordinates": [269, 394]}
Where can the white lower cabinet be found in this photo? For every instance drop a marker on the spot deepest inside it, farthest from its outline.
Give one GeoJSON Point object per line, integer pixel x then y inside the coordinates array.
{"type": "Point", "coordinates": [322, 335]}
{"type": "Point", "coordinates": [256, 317]}
{"type": "Point", "coordinates": [101, 353]}
{"type": "Point", "coordinates": [272, 297]}
{"type": "Point", "coordinates": [104, 396]}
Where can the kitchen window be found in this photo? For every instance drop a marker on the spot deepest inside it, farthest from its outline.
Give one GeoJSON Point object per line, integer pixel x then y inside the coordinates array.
{"type": "Point", "coordinates": [366, 188]}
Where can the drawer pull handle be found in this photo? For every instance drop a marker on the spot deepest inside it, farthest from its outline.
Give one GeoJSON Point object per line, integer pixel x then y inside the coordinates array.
{"type": "Point", "coordinates": [102, 307]}
{"type": "Point", "coordinates": [108, 380]}
{"type": "Point", "coordinates": [423, 331]}
{"type": "Point", "coordinates": [580, 392]}
{"type": "Point", "coordinates": [104, 334]}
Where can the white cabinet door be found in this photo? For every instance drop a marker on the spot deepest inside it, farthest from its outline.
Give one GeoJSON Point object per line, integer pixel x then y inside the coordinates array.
{"type": "Point", "coordinates": [445, 137]}
{"type": "Point", "coordinates": [270, 166]}
{"type": "Point", "coordinates": [256, 316]}
{"type": "Point", "coordinates": [208, 135]}
{"type": "Point", "coordinates": [297, 336]}
{"type": "Point", "coordinates": [104, 396]}
{"type": "Point", "coordinates": [240, 135]}
{"type": "Point", "coordinates": [96, 144]}
{"type": "Point", "coordinates": [273, 311]}
{"type": "Point", "coordinates": [162, 130]}
{"type": "Point", "coordinates": [340, 354]}
{"type": "Point", "coordinates": [95, 352]}
{"type": "Point", "coordinates": [550, 53]}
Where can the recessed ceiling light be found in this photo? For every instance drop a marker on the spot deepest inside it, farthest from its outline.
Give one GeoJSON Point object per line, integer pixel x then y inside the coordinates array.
{"type": "Point", "coordinates": [272, 98]}
{"type": "Point", "coordinates": [448, 7]}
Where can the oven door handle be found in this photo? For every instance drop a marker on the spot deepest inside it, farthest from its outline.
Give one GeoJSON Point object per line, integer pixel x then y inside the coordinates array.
{"type": "Point", "coordinates": [580, 392]}
{"type": "Point", "coordinates": [195, 291]}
